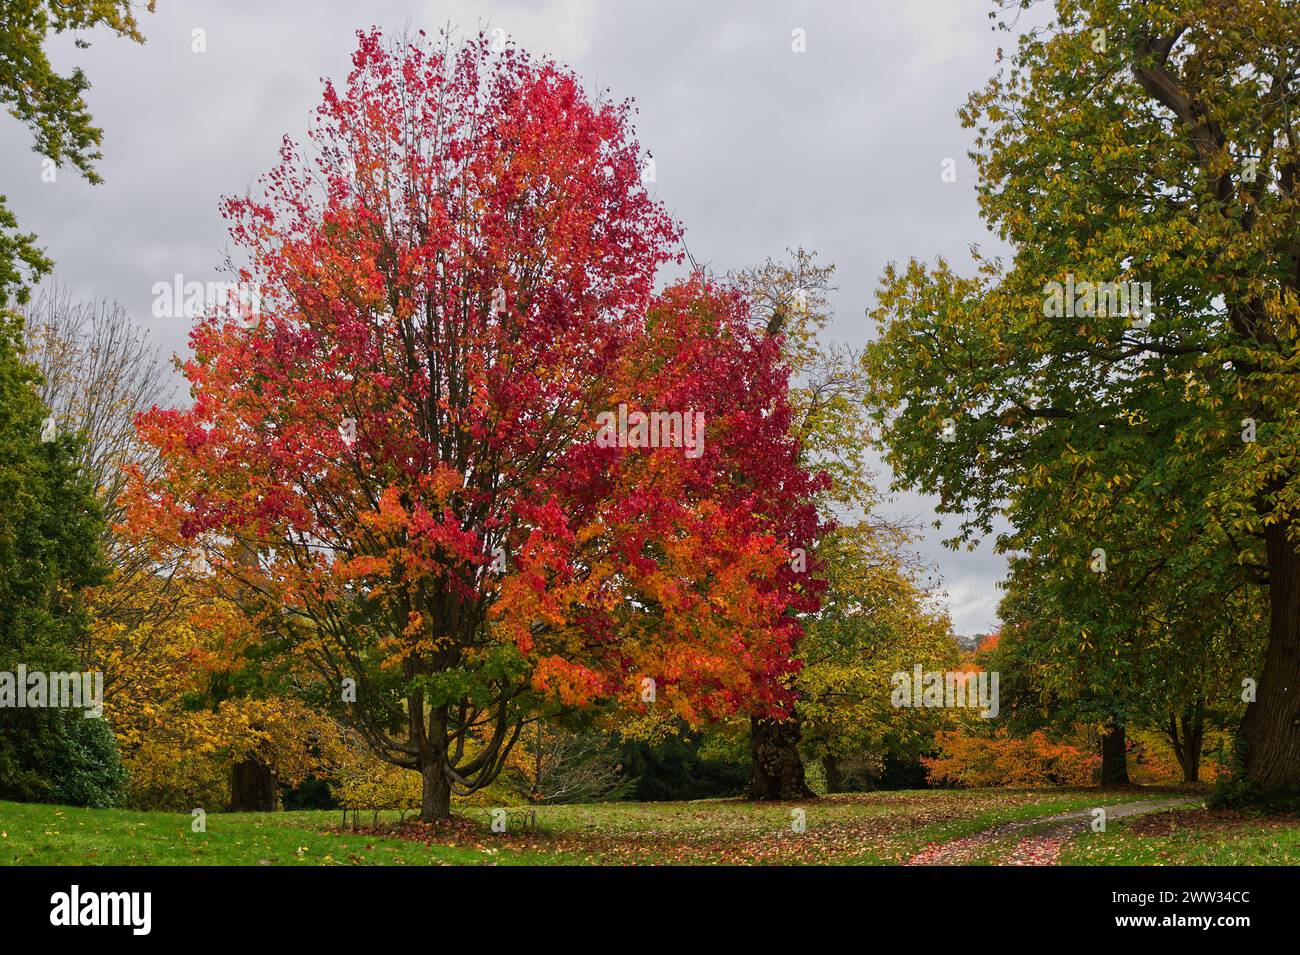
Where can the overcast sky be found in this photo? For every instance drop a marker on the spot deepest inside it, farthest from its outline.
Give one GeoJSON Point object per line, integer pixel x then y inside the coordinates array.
{"type": "Point", "coordinates": [757, 148]}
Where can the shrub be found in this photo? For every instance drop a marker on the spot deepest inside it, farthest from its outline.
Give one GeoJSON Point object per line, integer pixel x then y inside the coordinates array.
{"type": "Point", "coordinates": [676, 768]}
{"type": "Point", "coordinates": [1004, 760]}
{"type": "Point", "coordinates": [59, 756]}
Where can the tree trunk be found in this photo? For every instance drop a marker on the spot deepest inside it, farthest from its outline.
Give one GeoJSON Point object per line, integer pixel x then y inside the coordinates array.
{"type": "Point", "coordinates": [834, 777]}
{"type": "Point", "coordinates": [1187, 739]}
{"type": "Point", "coordinates": [252, 787]}
{"type": "Point", "coordinates": [1271, 727]}
{"type": "Point", "coordinates": [536, 795]}
{"type": "Point", "coordinates": [1192, 764]}
{"type": "Point", "coordinates": [1114, 759]}
{"type": "Point", "coordinates": [777, 771]}
{"type": "Point", "coordinates": [435, 793]}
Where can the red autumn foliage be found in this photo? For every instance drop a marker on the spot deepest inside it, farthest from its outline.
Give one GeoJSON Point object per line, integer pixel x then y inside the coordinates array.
{"type": "Point", "coordinates": [452, 291]}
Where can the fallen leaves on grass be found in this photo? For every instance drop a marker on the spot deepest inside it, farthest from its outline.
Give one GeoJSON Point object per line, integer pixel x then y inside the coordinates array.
{"type": "Point", "coordinates": [1207, 821]}
{"type": "Point", "coordinates": [882, 827]}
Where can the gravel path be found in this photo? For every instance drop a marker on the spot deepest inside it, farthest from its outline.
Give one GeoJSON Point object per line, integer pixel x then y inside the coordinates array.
{"type": "Point", "coordinates": [1043, 845]}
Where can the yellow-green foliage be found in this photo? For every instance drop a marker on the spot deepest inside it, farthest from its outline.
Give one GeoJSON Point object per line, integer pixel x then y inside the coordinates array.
{"type": "Point", "coordinates": [875, 622]}
{"type": "Point", "coordinates": [363, 781]}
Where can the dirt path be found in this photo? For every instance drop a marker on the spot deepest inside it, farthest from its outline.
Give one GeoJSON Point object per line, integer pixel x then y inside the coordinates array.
{"type": "Point", "coordinates": [1042, 845]}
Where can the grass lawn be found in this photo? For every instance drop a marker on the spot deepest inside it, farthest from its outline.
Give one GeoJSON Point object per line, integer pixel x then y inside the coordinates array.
{"type": "Point", "coordinates": [1191, 836]}
{"type": "Point", "coordinates": [859, 829]}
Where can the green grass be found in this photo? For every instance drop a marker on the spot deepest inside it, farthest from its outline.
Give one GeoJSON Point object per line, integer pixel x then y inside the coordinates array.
{"type": "Point", "coordinates": [875, 828]}
{"type": "Point", "coordinates": [53, 835]}
{"type": "Point", "coordinates": [1191, 836]}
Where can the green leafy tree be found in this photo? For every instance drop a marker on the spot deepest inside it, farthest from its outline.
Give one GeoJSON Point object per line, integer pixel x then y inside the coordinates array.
{"type": "Point", "coordinates": [874, 622]}
{"type": "Point", "coordinates": [49, 554]}
{"type": "Point", "coordinates": [52, 105]}
{"type": "Point", "coordinates": [1124, 143]}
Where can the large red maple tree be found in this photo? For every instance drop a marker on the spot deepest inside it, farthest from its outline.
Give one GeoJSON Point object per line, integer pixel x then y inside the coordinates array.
{"type": "Point", "coordinates": [397, 469]}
